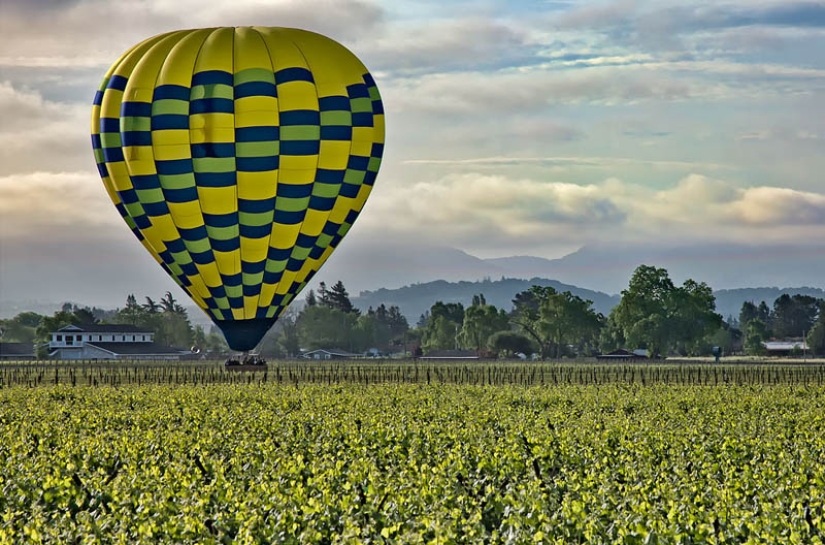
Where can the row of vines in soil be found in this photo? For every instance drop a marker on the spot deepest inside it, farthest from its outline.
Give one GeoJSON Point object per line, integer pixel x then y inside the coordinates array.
{"type": "Point", "coordinates": [359, 372]}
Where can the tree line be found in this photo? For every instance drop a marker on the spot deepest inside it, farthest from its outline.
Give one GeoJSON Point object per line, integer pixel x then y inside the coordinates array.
{"type": "Point", "coordinates": [654, 314]}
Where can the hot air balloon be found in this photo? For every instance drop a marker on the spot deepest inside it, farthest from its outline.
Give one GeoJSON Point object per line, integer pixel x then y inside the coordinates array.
{"type": "Point", "coordinates": [239, 157]}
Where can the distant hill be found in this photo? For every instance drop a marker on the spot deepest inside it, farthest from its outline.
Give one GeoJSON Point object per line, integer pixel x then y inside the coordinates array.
{"type": "Point", "coordinates": [416, 299]}
{"type": "Point", "coordinates": [605, 268]}
{"type": "Point", "coordinates": [729, 302]}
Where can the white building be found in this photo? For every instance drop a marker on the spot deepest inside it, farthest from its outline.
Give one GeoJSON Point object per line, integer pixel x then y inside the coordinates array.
{"type": "Point", "coordinates": [108, 342]}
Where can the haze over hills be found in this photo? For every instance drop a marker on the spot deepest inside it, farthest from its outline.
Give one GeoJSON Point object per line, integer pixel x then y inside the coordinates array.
{"type": "Point", "coordinates": [599, 268]}
{"type": "Point", "coordinates": [414, 275]}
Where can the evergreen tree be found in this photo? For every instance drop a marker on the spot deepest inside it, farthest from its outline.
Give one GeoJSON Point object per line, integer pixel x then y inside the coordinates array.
{"type": "Point", "coordinates": [338, 298]}
{"type": "Point", "coordinates": [310, 299]}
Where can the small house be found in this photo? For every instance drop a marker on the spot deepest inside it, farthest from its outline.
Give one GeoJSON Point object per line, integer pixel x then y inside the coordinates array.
{"type": "Point", "coordinates": [108, 342]}
{"type": "Point", "coordinates": [329, 354]}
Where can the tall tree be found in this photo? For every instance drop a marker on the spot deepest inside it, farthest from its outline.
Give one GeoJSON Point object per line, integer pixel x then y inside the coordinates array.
{"type": "Point", "coordinates": [793, 316]}
{"type": "Point", "coordinates": [132, 313]}
{"type": "Point", "coordinates": [324, 327]}
{"type": "Point", "coordinates": [151, 306]}
{"type": "Point", "coordinates": [693, 316]}
{"type": "Point", "coordinates": [508, 343]}
{"type": "Point", "coordinates": [480, 322]}
{"type": "Point", "coordinates": [338, 298]}
{"type": "Point", "coordinates": [323, 294]}
{"type": "Point", "coordinates": [657, 315]}
{"type": "Point", "coordinates": [755, 335]}
{"type": "Point", "coordinates": [310, 299]}
{"type": "Point", "coordinates": [749, 312]}
{"type": "Point", "coordinates": [22, 328]}
{"type": "Point", "coordinates": [527, 316]}
{"type": "Point", "coordinates": [764, 315]}
{"type": "Point", "coordinates": [555, 320]}
{"type": "Point", "coordinates": [816, 335]}
{"type": "Point", "coordinates": [567, 319]}
{"type": "Point", "coordinates": [84, 315]}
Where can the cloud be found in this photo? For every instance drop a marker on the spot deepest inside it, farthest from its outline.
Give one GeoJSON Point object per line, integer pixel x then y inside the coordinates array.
{"type": "Point", "coordinates": [635, 17]}
{"type": "Point", "coordinates": [447, 45]}
{"type": "Point", "coordinates": [45, 205]}
{"type": "Point", "coordinates": [486, 213]}
{"type": "Point", "coordinates": [583, 161]}
{"type": "Point", "coordinates": [778, 206]}
{"type": "Point", "coordinates": [95, 33]}
{"type": "Point", "coordinates": [38, 134]}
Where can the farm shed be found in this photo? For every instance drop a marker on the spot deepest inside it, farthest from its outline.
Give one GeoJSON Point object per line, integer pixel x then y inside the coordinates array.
{"type": "Point", "coordinates": [784, 348]}
{"type": "Point", "coordinates": [329, 354]}
{"type": "Point", "coordinates": [624, 355]}
{"type": "Point", "coordinates": [451, 355]}
{"type": "Point", "coordinates": [17, 351]}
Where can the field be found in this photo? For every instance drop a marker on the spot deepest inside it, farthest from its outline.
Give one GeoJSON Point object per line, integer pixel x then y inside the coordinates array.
{"type": "Point", "coordinates": [369, 452]}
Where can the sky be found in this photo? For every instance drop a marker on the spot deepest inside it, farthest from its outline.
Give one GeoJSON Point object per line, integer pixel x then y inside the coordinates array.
{"type": "Point", "coordinates": [513, 128]}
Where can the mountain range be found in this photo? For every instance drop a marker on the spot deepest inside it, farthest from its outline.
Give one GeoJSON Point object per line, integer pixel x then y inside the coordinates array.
{"type": "Point", "coordinates": [604, 268]}
{"type": "Point", "coordinates": [414, 275]}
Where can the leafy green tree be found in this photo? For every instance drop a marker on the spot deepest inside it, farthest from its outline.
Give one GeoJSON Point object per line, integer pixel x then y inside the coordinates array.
{"type": "Point", "coordinates": [440, 334]}
{"type": "Point", "coordinates": [816, 335]}
{"type": "Point", "coordinates": [755, 335]}
{"type": "Point", "coordinates": [480, 322]}
{"type": "Point", "coordinates": [508, 343]}
{"type": "Point", "coordinates": [556, 320]}
{"type": "Point", "coordinates": [611, 336]}
{"type": "Point", "coordinates": [289, 340]}
{"type": "Point", "coordinates": [22, 328]}
{"type": "Point", "coordinates": [132, 313]}
{"type": "Point", "coordinates": [567, 319]}
{"type": "Point", "coordinates": [749, 312]}
{"type": "Point", "coordinates": [85, 316]}
{"type": "Point", "coordinates": [443, 325]}
{"type": "Point", "coordinates": [527, 316]}
{"type": "Point", "coordinates": [215, 342]}
{"type": "Point", "coordinates": [794, 315]}
{"type": "Point", "coordinates": [693, 316]}
{"type": "Point", "coordinates": [764, 315]}
{"type": "Point", "coordinates": [198, 337]}
{"type": "Point", "coordinates": [657, 315]}
{"type": "Point", "coordinates": [324, 327]}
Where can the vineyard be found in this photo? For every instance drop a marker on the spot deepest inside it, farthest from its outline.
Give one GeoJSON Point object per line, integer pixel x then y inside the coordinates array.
{"type": "Point", "coordinates": [495, 373]}
{"type": "Point", "coordinates": [411, 453]}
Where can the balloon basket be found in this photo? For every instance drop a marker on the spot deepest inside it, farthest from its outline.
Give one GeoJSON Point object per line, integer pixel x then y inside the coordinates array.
{"type": "Point", "coordinates": [246, 363]}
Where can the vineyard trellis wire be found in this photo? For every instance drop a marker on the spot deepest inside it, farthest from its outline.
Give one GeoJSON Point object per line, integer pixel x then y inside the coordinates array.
{"type": "Point", "coordinates": [493, 373]}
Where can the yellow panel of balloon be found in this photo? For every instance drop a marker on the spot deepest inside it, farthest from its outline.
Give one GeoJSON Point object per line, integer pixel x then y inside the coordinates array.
{"type": "Point", "coordinates": [239, 157]}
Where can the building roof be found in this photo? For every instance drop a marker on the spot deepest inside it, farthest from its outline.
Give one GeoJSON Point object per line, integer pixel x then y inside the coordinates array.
{"type": "Point", "coordinates": [332, 352]}
{"type": "Point", "coordinates": [785, 345]}
{"type": "Point", "coordinates": [16, 349]}
{"type": "Point", "coordinates": [451, 355]}
{"type": "Point", "coordinates": [136, 349]}
{"type": "Point", "coordinates": [622, 354]}
{"type": "Point", "coordinates": [104, 328]}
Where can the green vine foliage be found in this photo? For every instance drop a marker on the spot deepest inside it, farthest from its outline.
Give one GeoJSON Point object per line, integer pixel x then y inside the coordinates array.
{"type": "Point", "coordinates": [412, 463]}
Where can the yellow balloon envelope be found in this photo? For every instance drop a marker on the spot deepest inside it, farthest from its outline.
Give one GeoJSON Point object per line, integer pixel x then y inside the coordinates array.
{"type": "Point", "coordinates": [239, 157]}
